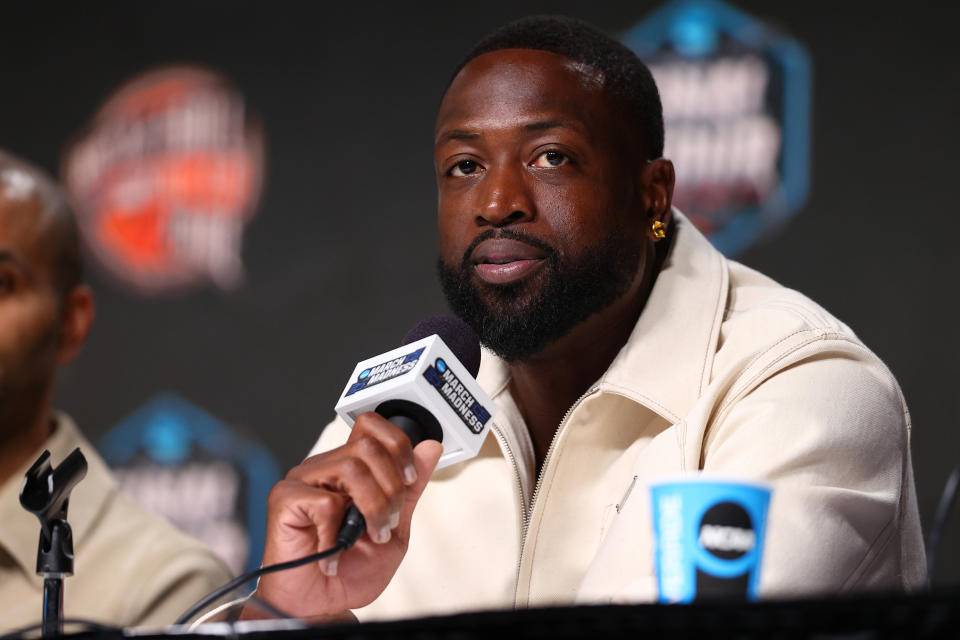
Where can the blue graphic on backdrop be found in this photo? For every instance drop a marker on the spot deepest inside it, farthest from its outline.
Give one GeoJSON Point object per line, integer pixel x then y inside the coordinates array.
{"type": "Point", "coordinates": [184, 464]}
{"type": "Point", "coordinates": [736, 99]}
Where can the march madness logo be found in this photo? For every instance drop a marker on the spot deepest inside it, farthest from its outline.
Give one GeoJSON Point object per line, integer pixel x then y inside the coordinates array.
{"type": "Point", "coordinates": [385, 371]}
{"type": "Point", "coordinates": [736, 107]}
{"type": "Point", "coordinates": [471, 412]}
{"type": "Point", "coordinates": [164, 179]}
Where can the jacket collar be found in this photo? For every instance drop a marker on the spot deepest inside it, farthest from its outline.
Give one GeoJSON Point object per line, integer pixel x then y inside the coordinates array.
{"type": "Point", "coordinates": [668, 357]}
{"type": "Point", "coordinates": [20, 531]}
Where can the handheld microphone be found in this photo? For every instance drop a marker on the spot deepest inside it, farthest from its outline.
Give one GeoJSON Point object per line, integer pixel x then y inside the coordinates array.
{"type": "Point", "coordinates": [426, 387]}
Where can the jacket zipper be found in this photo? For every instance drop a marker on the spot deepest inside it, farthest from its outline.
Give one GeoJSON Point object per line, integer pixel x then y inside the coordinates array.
{"type": "Point", "coordinates": [536, 489]}
{"type": "Point", "coordinates": [505, 445]}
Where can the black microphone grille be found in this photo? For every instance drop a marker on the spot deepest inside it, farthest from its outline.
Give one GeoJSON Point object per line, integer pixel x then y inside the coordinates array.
{"type": "Point", "coordinates": [455, 333]}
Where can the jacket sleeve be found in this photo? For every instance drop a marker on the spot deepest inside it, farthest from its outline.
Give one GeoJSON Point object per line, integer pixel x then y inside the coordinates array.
{"type": "Point", "coordinates": [831, 434]}
{"type": "Point", "coordinates": [333, 435]}
{"type": "Point", "coordinates": [176, 584]}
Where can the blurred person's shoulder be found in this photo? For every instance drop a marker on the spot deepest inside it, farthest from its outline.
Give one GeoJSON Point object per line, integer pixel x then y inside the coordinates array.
{"type": "Point", "coordinates": [133, 567]}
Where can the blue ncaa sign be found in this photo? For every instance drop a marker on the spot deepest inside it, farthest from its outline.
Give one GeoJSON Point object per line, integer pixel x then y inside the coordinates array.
{"type": "Point", "coordinates": [202, 475]}
{"type": "Point", "coordinates": [736, 101]}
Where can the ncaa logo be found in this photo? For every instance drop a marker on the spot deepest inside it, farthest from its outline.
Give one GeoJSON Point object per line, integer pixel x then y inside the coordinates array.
{"type": "Point", "coordinates": [726, 559]}
{"type": "Point", "coordinates": [726, 531]}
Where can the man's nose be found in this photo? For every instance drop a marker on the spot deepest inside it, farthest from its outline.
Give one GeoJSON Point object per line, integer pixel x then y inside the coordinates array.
{"type": "Point", "coordinates": [506, 198]}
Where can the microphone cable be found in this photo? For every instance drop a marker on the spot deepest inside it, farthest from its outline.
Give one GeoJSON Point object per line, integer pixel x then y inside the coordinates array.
{"type": "Point", "coordinates": [252, 575]}
{"type": "Point", "coordinates": [947, 500]}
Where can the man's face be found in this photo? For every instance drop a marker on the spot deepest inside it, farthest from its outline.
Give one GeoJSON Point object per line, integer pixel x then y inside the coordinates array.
{"type": "Point", "coordinates": [29, 307]}
{"type": "Point", "coordinates": [538, 202]}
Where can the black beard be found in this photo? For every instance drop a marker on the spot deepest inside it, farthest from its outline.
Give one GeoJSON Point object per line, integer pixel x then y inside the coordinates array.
{"type": "Point", "coordinates": [518, 320]}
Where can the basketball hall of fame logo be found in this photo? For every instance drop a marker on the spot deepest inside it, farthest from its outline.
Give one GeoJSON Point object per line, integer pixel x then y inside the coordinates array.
{"type": "Point", "coordinates": [736, 107]}
{"type": "Point", "coordinates": [164, 179]}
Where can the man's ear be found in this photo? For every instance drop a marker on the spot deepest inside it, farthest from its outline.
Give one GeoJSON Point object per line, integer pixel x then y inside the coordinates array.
{"type": "Point", "coordinates": [75, 320]}
{"type": "Point", "coordinates": [656, 182]}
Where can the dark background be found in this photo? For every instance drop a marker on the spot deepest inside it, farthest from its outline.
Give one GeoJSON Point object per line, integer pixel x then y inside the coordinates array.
{"type": "Point", "coordinates": [340, 256]}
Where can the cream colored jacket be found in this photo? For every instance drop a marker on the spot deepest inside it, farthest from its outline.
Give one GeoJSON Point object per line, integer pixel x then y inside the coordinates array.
{"type": "Point", "coordinates": [725, 372]}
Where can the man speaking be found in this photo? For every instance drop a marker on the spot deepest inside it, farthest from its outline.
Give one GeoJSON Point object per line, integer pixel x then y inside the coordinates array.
{"type": "Point", "coordinates": [622, 348]}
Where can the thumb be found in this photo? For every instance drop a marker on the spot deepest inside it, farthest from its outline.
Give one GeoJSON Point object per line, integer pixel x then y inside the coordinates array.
{"type": "Point", "coordinates": [426, 455]}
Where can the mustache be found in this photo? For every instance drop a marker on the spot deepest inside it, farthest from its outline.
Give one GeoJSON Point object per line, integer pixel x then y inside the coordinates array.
{"type": "Point", "coordinates": [508, 234]}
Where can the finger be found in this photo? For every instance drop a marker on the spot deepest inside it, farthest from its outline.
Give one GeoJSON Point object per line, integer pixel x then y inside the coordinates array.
{"type": "Point", "coordinates": [353, 476]}
{"type": "Point", "coordinates": [385, 471]}
{"type": "Point", "coordinates": [394, 440]}
{"type": "Point", "coordinates": [346, 471]}
{"type": "Point", "coordinates": [426, 456]}
{"type": "Point", "coordinates": [302, 520]}
{"type": "Point", "coordinates": [365, 471]}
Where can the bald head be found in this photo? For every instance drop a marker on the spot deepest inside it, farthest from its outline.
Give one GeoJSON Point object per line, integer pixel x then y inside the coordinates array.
{"type": "Point", "coordinates": [30, 195]}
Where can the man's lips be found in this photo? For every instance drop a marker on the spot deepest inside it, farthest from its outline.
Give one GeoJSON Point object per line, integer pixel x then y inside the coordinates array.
{"type": "Point", "coordinates": [503, 261]}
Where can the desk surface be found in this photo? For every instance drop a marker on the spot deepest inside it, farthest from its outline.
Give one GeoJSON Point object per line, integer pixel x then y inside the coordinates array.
{"type": "Point", "coordinates": [926, 615]}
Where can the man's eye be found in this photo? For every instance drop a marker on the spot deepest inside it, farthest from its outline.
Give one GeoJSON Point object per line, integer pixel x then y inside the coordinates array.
{"type": "Point", "coordinates": [550, 159]}
{"type": "Point", "coordinates": [6, 284]}
{"type": "Point", "coordinates": [464, 168]}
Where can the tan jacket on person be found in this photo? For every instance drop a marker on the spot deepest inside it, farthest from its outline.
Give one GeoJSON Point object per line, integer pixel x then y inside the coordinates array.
{"type": "Point", "coordinates": [132, 568]}
{"type": "Point", "coordinates": [727, 372]}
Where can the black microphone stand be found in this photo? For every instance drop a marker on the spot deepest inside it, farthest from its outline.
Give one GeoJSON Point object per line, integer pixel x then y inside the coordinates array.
{"type": "Point", "coordinates": [46, 494]}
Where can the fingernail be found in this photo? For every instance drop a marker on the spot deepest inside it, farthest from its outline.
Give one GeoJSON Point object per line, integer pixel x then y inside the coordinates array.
{"type": "Point", "coordinates": [410, 474]}
{"type": "Point", "coordinates": [384, 535]}
{"type": "Point", "coordinates": [329, 568]}
{"type": "Point", "coordinates": [394, 520]}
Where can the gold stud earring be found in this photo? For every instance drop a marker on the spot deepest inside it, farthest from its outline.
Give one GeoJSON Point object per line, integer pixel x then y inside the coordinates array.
{"type": "Point", "coordinates": [658, 230]}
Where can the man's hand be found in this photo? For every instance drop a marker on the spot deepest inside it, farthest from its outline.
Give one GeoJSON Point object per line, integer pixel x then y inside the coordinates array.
{"type": "Point", "coordinates": [379, 471]}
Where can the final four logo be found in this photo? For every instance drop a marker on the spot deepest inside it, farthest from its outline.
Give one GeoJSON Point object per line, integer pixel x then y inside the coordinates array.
{"type": "Point", "coordinates": [385, 371]}
{"type": "Point", "coordinates": [736, 106]}
{"type": "Point", "coordinates": [442, 377]}
{"type": "Point", "coordinates": [199, 473]}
